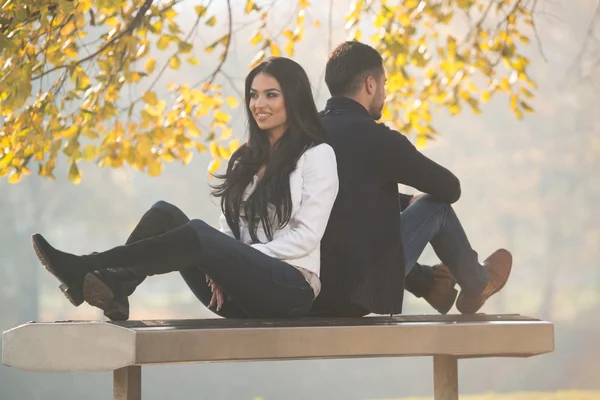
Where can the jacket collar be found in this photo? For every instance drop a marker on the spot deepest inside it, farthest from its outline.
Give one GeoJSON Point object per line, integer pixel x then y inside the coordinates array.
{"type": "Point", "coordinates": [344, 105]}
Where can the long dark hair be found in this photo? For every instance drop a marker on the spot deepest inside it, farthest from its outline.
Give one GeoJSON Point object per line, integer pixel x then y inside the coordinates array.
{"type": "Point", "coordinates": [273, 190]}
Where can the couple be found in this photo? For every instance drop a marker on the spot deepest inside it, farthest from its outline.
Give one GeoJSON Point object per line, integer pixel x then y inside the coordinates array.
{"type": "Point", "coordinates": [312, 222]}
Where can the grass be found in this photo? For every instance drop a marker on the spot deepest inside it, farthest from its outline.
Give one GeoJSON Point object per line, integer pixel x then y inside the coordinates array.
{"type": "Point", "coordinates": [560, 395]}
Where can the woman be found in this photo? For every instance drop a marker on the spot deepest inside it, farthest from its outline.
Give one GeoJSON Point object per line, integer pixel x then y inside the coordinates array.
{"type": "Point", "coordinates": [276, 197]}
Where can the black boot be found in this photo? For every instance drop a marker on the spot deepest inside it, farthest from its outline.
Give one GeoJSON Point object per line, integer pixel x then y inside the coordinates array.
{"type": "Point", "coordinates": [124, 281]}
{"type": "Point", "coordinates": [172, 251]}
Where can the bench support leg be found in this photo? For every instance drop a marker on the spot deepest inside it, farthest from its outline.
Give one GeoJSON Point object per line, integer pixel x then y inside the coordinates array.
{"type": "Point", "coordinates": [127, 383]}
{"type": "Point", "coordinates": [445, 377]}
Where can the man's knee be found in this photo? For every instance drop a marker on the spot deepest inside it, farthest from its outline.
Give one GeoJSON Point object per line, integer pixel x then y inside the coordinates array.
{"type": "Point", "coordinates": [431, 200]}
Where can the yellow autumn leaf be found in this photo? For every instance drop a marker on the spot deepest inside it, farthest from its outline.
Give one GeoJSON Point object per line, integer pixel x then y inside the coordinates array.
{"type": "Point", "coordinates": [15, 177]}
{"type": "Point", "coordinates": [175, 62]}
{"type": "Point", "coordinates": [513, 102]}
{"type": "Point", "coordinates": [211, 21]}
{"type": "Point", "coordinates": [193, 61]}
{"type": "Point", "coordinates": [163, 42]}
{"type": "Point", "coordinates": [67, 29]}
{"type": "Point", "coordinates": [200, 10]}
{"type": "Point", "coordinates": [421, 142]}
{"type": "Point", "coordinates": [275, 51]}
{"type": "Point", "coordinates": [232, 102]}
{"type": "Point", "coordinates": [89, 152]}
{"type": "Point", "coordinates": [289, 48]}
{"type": "Point", "coordinates": [222, 117]}
{"type": "Point", "coordinates": [74, 174]}
{"type": "Point", "coordinates": [257, 38]}
{"type": "Point", "coordinates": [150, 98]}
{"type": "Point", "coordinates": [485, 96]}
{"type": "Point", "coordinates": [213, 149]}
{"type": "Point", "coordinates": [234, 145]}
{"type": "Point", "coordinates": [214, 166]}
{"type": "Point", "coordinates": [150, 64]}
{"type": "Point", "coordinates": [226, 133]}
{"type": "Point", "coordinates": [258, 58]}
{"type": "Point", "coordinates": [155, 168]}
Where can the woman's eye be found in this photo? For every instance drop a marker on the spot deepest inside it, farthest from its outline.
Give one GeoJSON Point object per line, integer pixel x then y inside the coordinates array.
{"type": "Point", "coordinates": [271, 94]}
{"type": "Point", "coordinates": [253, 95]}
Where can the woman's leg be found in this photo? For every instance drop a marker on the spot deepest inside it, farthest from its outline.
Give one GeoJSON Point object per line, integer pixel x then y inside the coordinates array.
{"type": "Point", "coordinates": [260, 285]}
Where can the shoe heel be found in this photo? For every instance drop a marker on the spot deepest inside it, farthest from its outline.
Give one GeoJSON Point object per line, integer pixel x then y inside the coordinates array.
{"type": "Point", "coordinates": [449, 302]}
{"type": "Point", "coordinates": [74, 298]}
{"type": "Point", "coordinates": [100, 295]}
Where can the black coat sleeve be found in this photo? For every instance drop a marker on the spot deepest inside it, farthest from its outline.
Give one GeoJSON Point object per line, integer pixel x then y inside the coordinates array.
{"type": "Point", "coordinates": [399, 161]}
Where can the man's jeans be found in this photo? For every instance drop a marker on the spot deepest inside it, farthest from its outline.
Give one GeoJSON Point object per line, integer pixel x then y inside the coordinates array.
{"type": "Point", "coordinates": [428, 220]}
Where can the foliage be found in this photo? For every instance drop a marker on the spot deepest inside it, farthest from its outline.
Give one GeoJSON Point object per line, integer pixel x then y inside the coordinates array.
{"type": "Point", "coordinates": [66, 67]}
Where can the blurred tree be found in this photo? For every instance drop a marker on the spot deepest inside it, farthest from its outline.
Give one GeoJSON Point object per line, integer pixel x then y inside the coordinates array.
{"type": "Point", "coordinates": [63, 95]}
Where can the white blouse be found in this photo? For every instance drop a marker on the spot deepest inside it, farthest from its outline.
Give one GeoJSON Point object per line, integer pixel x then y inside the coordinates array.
{"type": "Point", "coordinates": [313, 187]}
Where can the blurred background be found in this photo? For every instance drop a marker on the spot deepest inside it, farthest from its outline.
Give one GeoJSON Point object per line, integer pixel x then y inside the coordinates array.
{"type": "Point", "coordinates": [530, 186]}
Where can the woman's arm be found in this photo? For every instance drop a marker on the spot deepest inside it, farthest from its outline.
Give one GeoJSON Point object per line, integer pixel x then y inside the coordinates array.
{"type": "Point", "coordinates": [319, 190]}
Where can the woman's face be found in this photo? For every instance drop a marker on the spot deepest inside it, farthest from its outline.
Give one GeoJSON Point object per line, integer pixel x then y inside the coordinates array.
{"type": "Point", "coordinates": [267, 105]}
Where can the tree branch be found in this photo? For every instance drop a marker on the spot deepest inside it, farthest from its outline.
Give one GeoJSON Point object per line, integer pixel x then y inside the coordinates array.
{"type": "Point", "coordinates": [134, 24]}
{"type": "Point", "coordinates": [535, 31]}
{"type": "Point", "coordinates": [226, 51]}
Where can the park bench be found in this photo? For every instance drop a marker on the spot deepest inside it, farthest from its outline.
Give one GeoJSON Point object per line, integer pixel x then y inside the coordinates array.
{"type": "Point", "coordinates": [124, 347]}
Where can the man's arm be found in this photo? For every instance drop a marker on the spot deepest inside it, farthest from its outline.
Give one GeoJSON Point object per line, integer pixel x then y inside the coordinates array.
{"type": "Point", "coordinates": [401, 162]}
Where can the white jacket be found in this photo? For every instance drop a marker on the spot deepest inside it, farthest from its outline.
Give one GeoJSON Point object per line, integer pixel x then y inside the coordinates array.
{"type": "Point", "coordinates": [313, 187]}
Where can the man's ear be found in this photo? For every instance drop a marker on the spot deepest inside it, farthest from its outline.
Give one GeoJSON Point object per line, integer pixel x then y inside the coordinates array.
{"type": "Point", "coordinates": [371, 85]}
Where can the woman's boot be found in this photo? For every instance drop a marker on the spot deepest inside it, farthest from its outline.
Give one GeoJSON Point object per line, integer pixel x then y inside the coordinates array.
{"type": "Point", "coordinates": [124, 281]}
{"type": "Point", "coordinates": [172, 251]}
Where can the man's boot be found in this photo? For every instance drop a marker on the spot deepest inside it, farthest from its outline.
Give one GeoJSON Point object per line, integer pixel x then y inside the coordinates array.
{"type": "Point", "coordinates": [173, 251]}
{"type": "Point", "coordinates": [434, 284]}
{"type": "Point", "coordinates": [498, 266]}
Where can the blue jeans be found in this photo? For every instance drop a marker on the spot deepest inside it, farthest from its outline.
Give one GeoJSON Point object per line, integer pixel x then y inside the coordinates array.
{"type": "Point", "coordinates": [428, 220]}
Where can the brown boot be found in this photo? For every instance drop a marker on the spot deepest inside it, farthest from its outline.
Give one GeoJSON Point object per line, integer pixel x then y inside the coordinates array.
{"type": "Point", "coordinates": [498, 265]}
{"type": "Point", "coordinates": [441, 294]}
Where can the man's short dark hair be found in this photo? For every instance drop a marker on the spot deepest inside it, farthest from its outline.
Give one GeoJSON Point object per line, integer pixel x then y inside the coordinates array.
{"type": "Point", "coordinates": [349, 64]}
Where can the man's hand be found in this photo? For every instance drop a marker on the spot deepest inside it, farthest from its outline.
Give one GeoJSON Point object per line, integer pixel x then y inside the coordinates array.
{"type": "Point", "coordinates": [218, 297]}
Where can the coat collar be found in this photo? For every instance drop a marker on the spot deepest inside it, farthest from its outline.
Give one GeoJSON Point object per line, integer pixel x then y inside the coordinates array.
{"type": "Point", "coordinates": [344, 105]}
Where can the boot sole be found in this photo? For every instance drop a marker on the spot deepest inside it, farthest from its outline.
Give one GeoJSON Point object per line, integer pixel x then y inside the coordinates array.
{"type": "Point", "coordinates": [74, 298]}
{"type": "Point", "coordinates": [100, 295]}
{"type": "Point", "coordinates": [499, 288]}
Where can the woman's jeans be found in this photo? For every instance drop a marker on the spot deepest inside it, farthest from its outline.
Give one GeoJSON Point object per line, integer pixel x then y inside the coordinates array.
{"type": "Point", "coordinates": [257, 285]}
{"type": "Point", "coordinates": [428, 220]}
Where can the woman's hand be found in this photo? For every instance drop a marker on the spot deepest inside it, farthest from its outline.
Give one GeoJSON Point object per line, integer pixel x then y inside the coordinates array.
{"type": "Point", "coordinates": [218, 297]}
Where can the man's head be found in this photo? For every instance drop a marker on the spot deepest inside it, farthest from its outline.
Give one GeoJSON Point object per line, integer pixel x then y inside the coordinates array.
{"type": "Point", "coordinates": [355, 70]}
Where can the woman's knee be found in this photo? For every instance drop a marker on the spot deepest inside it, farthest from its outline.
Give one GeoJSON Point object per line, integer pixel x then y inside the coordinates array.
{"type": "Point", "coordinates": [178, 215]}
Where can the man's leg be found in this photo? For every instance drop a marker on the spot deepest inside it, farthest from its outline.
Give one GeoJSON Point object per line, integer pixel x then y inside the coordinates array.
{"type": "Point", "coordinates": [427, 220]}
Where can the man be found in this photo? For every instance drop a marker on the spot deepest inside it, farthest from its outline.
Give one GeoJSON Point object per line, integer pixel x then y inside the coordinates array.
{"type": "Point", "coordinates": [369, 245]}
